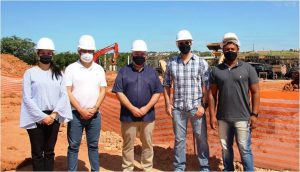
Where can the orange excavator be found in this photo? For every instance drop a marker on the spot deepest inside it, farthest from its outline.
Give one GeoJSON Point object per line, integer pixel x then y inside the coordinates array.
{"type": "Point", "coordinates": [102, 51]}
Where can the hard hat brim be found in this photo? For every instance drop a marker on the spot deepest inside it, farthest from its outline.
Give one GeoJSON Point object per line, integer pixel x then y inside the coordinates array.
{"type": "Point", "coordinates": [86, 48]}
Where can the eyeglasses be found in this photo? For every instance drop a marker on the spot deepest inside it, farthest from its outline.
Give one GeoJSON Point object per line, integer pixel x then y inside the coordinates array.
{"type": "Point", "coordinates": [185, 42]}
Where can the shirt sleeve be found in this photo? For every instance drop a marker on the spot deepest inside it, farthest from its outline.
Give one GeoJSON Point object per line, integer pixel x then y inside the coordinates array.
{"type": "Point", "coordinates": [63, 106]}
{"type": "Point", "coordinates": [68, 76]}
{"type": "Point", "coordinates": [205, 74]}
{"type": "Point", "coordinates": [253, 78]}
{"type": "Point", "coordinates": [158, 86]}
{"type": "Point", "coordinates": [118, 86]}
{"type": "Point", "coordinates": [102, 81]}
{"type": "Point", "coordinates": [212, 79]}
{"type": "Point", "coordinates": [167, 77]}
{"type": "Point", "coordinates": [30, 112]}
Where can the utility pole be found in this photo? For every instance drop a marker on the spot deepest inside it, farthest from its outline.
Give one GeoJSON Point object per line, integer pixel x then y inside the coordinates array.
{"type": "Point", "coordinates": [253, 47]}
{"type": "Point", "coordinates": [104, 61]}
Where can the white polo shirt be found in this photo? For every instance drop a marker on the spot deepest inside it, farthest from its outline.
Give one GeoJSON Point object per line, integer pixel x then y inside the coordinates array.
{"type": "Point", "coordinates": [85, 82]}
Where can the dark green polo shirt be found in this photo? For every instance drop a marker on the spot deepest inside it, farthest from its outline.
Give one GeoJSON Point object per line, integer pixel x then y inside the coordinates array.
{"type": "Point", "coordinates": [233, 95]}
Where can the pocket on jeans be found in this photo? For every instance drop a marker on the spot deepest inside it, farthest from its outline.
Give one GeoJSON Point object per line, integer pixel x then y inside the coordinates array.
{"type": "Point", "coordinates": [175, 112]}
{"type": "Point", "coordinates": [193, 111]}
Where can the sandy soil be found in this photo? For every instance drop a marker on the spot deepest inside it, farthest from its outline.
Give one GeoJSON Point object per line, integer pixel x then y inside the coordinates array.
{"type": "Point", "coordinates": [15, 146]}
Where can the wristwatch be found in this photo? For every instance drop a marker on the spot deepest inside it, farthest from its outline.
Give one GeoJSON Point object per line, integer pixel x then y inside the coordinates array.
{"type": "Point", "coordinates": [254, 114]}
{"type": "Point", "coordinates": [204, 105]}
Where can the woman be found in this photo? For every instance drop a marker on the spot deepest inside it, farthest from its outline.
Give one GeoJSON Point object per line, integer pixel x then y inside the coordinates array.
{"type": "Point", "coordinates": [45, 104]}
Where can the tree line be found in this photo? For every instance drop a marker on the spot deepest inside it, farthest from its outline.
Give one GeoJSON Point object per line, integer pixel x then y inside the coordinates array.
{"type": "Point", "coordinates": [24, 49]}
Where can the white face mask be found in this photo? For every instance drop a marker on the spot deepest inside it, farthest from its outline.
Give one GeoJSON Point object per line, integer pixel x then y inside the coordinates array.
{"type": "Point", "coordinates": [86, 57]}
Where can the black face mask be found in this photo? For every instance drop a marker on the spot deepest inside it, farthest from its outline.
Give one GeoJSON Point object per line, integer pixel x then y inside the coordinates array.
{"type": "Point", "coordinates": [138, 60]}
{"type": "Point", "coordinates": [184, 48]}
{"type": "Point", "coordinates": [45, 59]}
{"type": "Point", "coordinates": [231, 56]}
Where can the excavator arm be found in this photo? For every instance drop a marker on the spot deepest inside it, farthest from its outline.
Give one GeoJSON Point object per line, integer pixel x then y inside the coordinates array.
{"type": "Point", "coordinates": [102, 51]}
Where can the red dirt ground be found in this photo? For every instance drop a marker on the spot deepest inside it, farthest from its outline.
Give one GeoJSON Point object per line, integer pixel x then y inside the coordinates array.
{"type": "Point", "coordinates": [15, 146]}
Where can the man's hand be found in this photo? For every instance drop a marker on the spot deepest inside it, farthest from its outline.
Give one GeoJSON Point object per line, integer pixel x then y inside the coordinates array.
{"type": "Point", "coordinates": [200, 111]}
{"type": "Point", "coordinates": [169, 109]}
{"type": "Point", "coordinates": [136, 112]}
{"type": "Point", "coordinates": [252, 122]}
{"type": "Point", "coordinates": [93, 110]}
{"type": "Point", "coordinates": [85, 114]}
{"type": "Point", "coordinates": [144, 110]}
{"type": "Point", "coordinates": [213, 122]}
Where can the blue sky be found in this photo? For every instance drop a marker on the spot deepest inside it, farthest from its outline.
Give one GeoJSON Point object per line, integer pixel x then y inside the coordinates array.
{"type": "Point", "coordinates": [268, 25]}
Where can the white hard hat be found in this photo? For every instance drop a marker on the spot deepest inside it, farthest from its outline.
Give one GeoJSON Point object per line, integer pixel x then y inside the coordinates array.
{"type": "Point", "coordinates": [139, 45]}
{"type": "Point", "coordinates": [184, 35]}
{"type": "Point", "coordinates": [45, 44]}
{"type": "Point", "coordinates": [87, 42]}
{"type": "Point", "coordinates": [230, 37]}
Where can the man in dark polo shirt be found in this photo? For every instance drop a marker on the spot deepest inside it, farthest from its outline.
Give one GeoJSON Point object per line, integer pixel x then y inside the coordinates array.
{"type": "Point", "coordinates": [138, 88]}
{"type": "Point", "coordinates": [230, 84]}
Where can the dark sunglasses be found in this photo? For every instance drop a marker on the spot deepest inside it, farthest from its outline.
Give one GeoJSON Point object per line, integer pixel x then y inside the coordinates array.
{"type": "Point", "coordinates": [185, 42]}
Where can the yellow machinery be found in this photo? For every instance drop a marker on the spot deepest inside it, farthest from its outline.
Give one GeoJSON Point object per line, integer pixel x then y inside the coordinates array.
{"type": "Point", "coordinates": [215, 47]}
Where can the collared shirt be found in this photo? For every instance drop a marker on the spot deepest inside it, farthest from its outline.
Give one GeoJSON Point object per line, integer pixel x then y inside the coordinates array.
{"type": "Point", "coordinates": [85, 82]}
{"type": "Point", "coordinates": [138, 87]}
{"type": "Point", "coordinates": [233, 90]}
{"type": "Point", "coordinates": [187, 80]}
{"type": "Point", "coordinates": [41, 92]}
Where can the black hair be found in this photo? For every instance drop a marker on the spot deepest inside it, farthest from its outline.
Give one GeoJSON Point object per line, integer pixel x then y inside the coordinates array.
{"type": "Point", "coordinates": [55, 71]}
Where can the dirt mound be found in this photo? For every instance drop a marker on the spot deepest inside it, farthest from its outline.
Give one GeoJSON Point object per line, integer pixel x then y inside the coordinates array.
{"type": "Point", "coordinates": [12, 66]}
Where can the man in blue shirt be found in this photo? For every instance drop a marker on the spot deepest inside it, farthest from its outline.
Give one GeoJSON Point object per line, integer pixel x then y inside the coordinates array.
{"type": "Point", "coordinates": [138, 88]}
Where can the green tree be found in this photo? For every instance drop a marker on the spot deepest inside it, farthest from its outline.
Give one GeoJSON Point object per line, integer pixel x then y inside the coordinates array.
{"type": "Point", "coordinates": [122, 59]}
{"type": "Point", "coordinates": [205, 54]}
{"type": "Point", "coordinates": [62, 60]}
{"type": "Point", "coordinates": [21, 48]}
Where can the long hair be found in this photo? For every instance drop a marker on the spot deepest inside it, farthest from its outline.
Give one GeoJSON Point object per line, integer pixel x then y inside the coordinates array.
{"type": "Point", "coordinates": [55, 71]}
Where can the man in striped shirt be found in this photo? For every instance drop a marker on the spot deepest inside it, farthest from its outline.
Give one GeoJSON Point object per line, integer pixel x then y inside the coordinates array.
{"type": "Point", "coordinates": [189, 74]}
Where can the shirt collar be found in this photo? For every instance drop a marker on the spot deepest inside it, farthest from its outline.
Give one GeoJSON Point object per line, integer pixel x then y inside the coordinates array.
{"type": "Point", "coordinates": [81, 66]}
{"type": "Point", "coordinates": [133, 69]}
{"type": "Point", "coordinates": [239, 63]}
{"type": "Point", "coordinates": [179, 60]}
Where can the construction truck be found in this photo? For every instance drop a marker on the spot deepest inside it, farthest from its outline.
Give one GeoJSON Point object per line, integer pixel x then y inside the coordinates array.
{"type": "Point", "coordinates": [217, 57]}
{"type": "Point", "coordinates": [162, 66]}
{"type": "Point", "coordinates": [103, 51]}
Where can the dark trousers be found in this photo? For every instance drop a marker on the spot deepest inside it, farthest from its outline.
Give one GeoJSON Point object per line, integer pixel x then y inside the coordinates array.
{"type": "Point", "coordinates": [43, 140]}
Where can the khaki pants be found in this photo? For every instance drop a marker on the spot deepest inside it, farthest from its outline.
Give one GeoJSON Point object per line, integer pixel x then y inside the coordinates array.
{"type": "Point", "coordinates": [129, 131]}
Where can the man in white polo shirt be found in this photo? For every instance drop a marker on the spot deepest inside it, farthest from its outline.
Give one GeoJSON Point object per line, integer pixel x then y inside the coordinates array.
{"type": "Point", "coordinates": [85, 81]}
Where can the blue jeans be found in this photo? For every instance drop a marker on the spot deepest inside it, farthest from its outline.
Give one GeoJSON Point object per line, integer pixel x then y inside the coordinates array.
{"type": "Point", "coordinates": [241, 130]}
{"type": "Point", "coordinates": [75, 129]}
{"type": "Point", "coordinates": [180, 120]}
